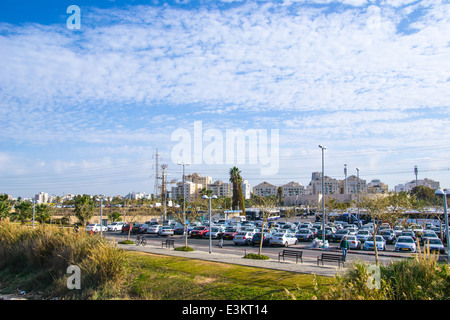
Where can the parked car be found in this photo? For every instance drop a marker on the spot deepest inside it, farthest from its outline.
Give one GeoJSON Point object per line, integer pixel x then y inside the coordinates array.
{"type": "Point", "coordinates": [95, 227]}
{"type": "Point", "coordinates": [243, 237]}
{"type": "Point", "coordinates": [337, 237]}
{"type": "Point", "coordinates": [283, 239]}
{"type": "Point", "coordinates": [229, 233]}
{"type": "Point", "coordinates": [405, 243]}
{"type": "Point", "coordinates": [434, 244]}
{"type": "Point", "coordinates": [116, 226]}
{"type": "Point", "coordinates": [353, 242]}
{"type": "Point", "coordinates": [379, 242]}
{"type": "Point", "coordinates": [409, 233]}
{"type": "Point", "coordinates": [139, 228]}
{"type": "Point", "coordinates": [166, 231]}
{"type": "Point", "coordinates": [398, 230]}
{"type": "Point", "coordinates": [328, 234]}
{"type": "Point", "coordinates": [304, 235]}
{"type": "Point", "coordinates": [216, 233]}
{"type": "Point", "coordinates": [126, 228]}
{"type": "Point", "coordinates": [256, 239]}
{"type": "Point", "coordinates": [388, 235]}
{"type": "Point", "coordinates": [179, 229]}
{"type": "Point", "coordinates": [154, 229]}
{"type": "Point", "coordinates": [362, 235]}
{"type": "Point", "coordinates": [198, 232]}
{"type": "Point", "coordinates": [428, 234]}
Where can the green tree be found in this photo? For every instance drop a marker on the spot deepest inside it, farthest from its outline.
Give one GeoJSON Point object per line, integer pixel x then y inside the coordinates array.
{"type": "Point", "coordinates": [84, 208]}
{"type": "Point", "coordinates": [42, 213]}
{"type": "Point", "coordinates": [5, 206]}
{"type": "Point", "coordinates": [23, 211]}
{"type": "Point", "coordinates": [238, 195]}
{"type": "Point", "coordinates": [115, 216]}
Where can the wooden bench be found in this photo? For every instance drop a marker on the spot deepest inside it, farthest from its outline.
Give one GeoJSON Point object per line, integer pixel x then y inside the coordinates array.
{"type": "Point", "coordinates": [291, 253]}
{"type": "Point", "coordinates": [168, 243]}
{"type": "Point", "coordinates": [331, 257]}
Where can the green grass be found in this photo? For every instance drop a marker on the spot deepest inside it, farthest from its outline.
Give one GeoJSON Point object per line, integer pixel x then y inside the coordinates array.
{"type": "Point", "coordinates": [174, 278]}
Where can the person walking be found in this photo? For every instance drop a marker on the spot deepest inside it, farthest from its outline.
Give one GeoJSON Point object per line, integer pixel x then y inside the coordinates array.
{"type": "Point", "coordinates": [344, 246]}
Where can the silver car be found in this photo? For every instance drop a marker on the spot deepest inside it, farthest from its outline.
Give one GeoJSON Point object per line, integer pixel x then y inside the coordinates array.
{"type": "Point", "coordinates": [405, 243]}
{"type": "Point", "coordinates": [354, 242]}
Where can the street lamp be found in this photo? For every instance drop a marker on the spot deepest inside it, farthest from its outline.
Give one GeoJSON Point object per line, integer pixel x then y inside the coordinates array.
{"type": "Point", "coordinates": [441, 192]}
{"type": "Point", "coordinates": [101, 215]}
{"type": "Point", "coordinates": [323, 195]}
{"type": "Point", "coordinates": [184, 193]}
{"type": "Point", "coordinates": [210, 238]}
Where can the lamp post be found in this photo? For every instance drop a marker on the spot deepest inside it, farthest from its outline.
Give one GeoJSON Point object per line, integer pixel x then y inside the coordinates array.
{"type": "Point", "coordinates": [210, 238]}
{"type": "Point", "coordinates": [357, 189]}
{"type": "Point", "coordinates": [184, 196]}
{"type": "Point", "coordinates": [323, 195]}
{"type": "Point", "coordinates": [441, 192]}
{"type": "Point", "coordinates": [101, 215]}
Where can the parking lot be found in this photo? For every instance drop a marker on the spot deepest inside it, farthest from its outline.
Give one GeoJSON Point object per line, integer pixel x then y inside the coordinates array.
{"type": "Point", "coordinates": [228, 246]}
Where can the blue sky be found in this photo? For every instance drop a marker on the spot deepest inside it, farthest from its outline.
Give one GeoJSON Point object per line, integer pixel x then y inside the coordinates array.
{"type": "Point", "coordinates": [83, 111]}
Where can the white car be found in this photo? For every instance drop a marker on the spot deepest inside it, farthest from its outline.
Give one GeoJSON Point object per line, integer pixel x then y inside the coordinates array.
{"type": "Point", "coordinates": [434, 244]}
{"type": "Point", "coordinates": [95, 227]}
{"type": "Point", "coordinates": [379, 241]}
{"type": "Point", "coordinates": [243, 237]}
{"type": "Point", "coordinates": [154, 229]}
{"type": "Point", "coordinates": [405, 243]}
{"type": "Point", "coordinates": [283, 239]}
{"type": "Point", "coordinates": [115, 226]}
{"type": "Point", "coordinates": [166, 231]}
{"type": "Point", "coordinates": [362, 235]}
{"type": "Point", "coordinates": [353, 242]}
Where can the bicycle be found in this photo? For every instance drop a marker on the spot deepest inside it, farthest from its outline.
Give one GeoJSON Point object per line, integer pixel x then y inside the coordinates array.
{"type": "Point", "coordinates": [140, 240]}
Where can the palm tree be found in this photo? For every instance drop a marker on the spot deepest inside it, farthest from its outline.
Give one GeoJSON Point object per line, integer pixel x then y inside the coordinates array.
{"type": "Point", "coordinates": [238, 195]}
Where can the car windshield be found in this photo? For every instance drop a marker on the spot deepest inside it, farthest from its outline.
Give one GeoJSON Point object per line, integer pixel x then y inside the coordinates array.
{"type": "Point", "coordinates": [405, 240]}
{"type": "Point", "coordinates": [349, 238]}
{"type": "Point", "coordinates": [363, 232]}
{"type": "Point", "coordinates": [434, 241]}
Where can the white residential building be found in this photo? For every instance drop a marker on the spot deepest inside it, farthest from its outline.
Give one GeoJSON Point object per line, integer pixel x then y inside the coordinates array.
{"type": "Point", "coordinates": [42, 197]}
{"type": "Point", "coordinates": [293, 189]}
{"type": "Point", "coordinates": [407, 187]}
{"type": "Point", "coordinates": [246, 189]}
{"type": "Point", "coordinates": [265, 189]}
{"type": "Point", "coordinates": [220, 188]}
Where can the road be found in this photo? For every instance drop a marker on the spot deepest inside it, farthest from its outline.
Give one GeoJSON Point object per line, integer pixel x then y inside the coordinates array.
{"type": "Point", "coordinates": [309, 254]}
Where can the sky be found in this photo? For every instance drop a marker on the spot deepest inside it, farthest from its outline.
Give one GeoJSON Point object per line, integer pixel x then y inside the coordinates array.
{"type": "Point", "coordinates": [84, 110]}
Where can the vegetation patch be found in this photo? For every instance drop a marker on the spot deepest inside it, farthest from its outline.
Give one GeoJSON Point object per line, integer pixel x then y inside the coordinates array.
{"type": "Point", "coordinates": [184, 248]}
{"type": "Point", "coordinates": [256, 256]}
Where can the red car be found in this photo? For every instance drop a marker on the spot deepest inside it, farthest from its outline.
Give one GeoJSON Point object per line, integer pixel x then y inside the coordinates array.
{"type": "Point", "coordinates": [199, 232]}
{"type": "Point", "coordinates": [229, 233]}
{"type": "Point", "coordinates": [126, 228]}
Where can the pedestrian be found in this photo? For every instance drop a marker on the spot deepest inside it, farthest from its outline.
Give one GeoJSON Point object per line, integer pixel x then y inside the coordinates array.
{"type": "Point", "coordinates": [344, 246]}
{"type": "Point", "coordinates": [76, 228]}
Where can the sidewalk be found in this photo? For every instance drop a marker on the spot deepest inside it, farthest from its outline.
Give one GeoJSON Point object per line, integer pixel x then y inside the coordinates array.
{"type": "Point", "coordinates": [309, 265]}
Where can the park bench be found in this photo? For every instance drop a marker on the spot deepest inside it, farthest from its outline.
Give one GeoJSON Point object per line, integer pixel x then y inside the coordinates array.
{"type": "Point", "coordinates": [168, 243]}
{"type": "Point", "coordinates": [331, 257]}
{"type": "Point", "coordinates": [291, 253]}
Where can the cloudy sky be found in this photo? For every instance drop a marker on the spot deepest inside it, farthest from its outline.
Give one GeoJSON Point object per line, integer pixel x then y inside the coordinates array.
{"type": "Point", "coordinates": [84, 110]}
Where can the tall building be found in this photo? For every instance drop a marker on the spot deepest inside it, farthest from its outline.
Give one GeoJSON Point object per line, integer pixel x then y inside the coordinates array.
{"type": "Point", "coordinates": [331, 186]}
{"type": "Point", "coordinates": [246, 189]}
{"type": "Point", "coordinates": [42, 197]}
{"type": "Point", "coordinates": [293, 189]}
{"type": "Point", "coordinates": [220, 188]}
{"type": "Point", "coordinates": [421, 182]}
{"type": "Point", "coordinates": [265, 189]}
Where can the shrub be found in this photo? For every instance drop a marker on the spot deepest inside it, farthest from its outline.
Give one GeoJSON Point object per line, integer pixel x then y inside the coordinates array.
{"type": "Point", "coordinates": [256, 256]}
{"type": "Point", "coordinates": [50, 250]}
{"type": "Point", "coordinates": [184, 248]}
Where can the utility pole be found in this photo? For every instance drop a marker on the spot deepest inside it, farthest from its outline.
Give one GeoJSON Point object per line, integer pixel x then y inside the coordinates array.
{"type": "Point", "coordinates": [345, 180]}
{"type": "Point", "coordinates": [157, 186]}
{"type": "Point", "coordinates": [416, 172]}
{"type": "Point", "coordinates": [163, 190]}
